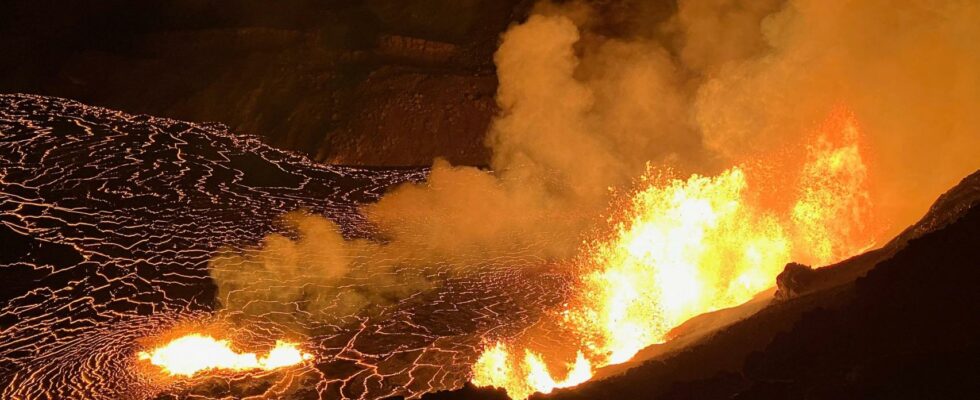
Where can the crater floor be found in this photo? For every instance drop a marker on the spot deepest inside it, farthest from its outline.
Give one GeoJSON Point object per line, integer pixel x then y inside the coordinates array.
{"type": "Point", "coordinates": [107, 223]}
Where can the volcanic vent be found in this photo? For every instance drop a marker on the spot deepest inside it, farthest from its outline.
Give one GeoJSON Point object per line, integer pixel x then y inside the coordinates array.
{"type": "Point", "coordinates": [652, 172]}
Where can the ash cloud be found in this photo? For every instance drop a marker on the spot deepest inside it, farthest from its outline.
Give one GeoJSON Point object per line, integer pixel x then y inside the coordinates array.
{"type": "Point", "coordinates": [591, 93]}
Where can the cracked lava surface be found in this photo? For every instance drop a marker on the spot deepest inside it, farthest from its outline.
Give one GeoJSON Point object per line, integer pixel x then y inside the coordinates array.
{"type": "Point", "coordinates": [108, 221]}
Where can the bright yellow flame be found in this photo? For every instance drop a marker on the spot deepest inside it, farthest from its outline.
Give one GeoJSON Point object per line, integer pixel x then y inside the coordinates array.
{"type": "Point", "coordinates": [690, 247]}
{"type": "Point", "coordinates": [494, 368]}
{"type": "Point", "coordinates": [833, 214]}
{"type": "Point", "coordinates": [686, 247]}
{"type": "Point", "coordinates": [194, 353]}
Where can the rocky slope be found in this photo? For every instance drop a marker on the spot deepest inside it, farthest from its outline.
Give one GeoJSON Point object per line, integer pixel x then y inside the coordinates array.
{"type": "Point", "coordinates": [905, 330]}
{"type": "Point", "coordinates": [378, 82]}
{"type": "Point", "coordinates": [896, 322]}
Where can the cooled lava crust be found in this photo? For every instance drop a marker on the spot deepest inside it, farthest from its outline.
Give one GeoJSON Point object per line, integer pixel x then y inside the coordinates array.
{"type": "Point", "coordinates": [107, 223]}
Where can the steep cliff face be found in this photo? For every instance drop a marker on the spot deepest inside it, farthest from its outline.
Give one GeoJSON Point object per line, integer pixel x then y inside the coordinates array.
{"type": "Point", "coordinates": [367, 83]}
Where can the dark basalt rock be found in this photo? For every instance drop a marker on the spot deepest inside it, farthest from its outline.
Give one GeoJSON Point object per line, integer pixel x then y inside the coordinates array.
{"type": "Point", "coordinates": [905, 330]}
{"type": "Point", "coordinates": [382, 83]}
{"type": "Point", "coordinates": [468, 392]}
{"type": "Point", "coordinates": [794, 279]}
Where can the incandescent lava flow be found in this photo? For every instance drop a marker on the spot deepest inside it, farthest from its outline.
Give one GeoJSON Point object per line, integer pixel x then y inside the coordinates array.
{"type": "Point", "coordinates": [684, 247]}
{"type": "Point", "coordinates": [643, 173]}
{"type": "Point", "coordinates": [194, 353]}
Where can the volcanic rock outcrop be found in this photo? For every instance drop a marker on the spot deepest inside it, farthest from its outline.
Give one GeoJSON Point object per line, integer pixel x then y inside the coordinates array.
{"type": "Point", "coordinates": [362, 83]}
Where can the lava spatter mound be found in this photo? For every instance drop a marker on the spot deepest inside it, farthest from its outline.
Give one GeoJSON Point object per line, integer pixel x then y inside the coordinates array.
{"type": "Point", "coordinates": [108, 221]}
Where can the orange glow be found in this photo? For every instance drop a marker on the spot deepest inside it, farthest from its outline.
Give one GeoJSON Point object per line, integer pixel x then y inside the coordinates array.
{"type": "Point", "coordinates": [194, 353]}
{"type": "Point", "coordinates": [687, 247]}
{"type": "Point", "coordinates": [690, 247]}
{"type": "Point", "coordinates": [494, 368]}
{"type": "Point", "coordinates": [833, 215]}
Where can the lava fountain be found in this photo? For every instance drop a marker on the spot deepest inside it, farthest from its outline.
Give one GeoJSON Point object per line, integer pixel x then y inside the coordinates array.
{"type": "Point", "coordinates": [687, 247]}
{"type": "Point", "coordinates": [194, 353]}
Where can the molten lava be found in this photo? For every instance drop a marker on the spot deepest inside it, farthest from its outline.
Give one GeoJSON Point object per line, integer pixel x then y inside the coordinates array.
{"type": "Point", "coordinates": [494, 368]}
{"type": "Point", "coordinates": [194, 353]}
{"type": "Point", "coordinates": [691, 247]}
{"type": "Point", "coordinates": [833, 217]}
{"type": "Point", "coordinates": [687, 247]}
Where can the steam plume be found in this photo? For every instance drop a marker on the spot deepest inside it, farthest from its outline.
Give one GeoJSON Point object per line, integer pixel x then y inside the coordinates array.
{"type": "Point", "coordinates": [589, 94]}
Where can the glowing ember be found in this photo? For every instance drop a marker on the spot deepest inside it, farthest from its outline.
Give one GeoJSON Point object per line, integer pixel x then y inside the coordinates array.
{"type": "Point", "coordinates": [194, 353]}
{"type": "Point", "coordinates": [687, 247]}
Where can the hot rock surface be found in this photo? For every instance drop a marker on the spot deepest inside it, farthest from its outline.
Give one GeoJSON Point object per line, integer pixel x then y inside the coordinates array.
{"type": "Point", "coordinates": [107, 223]}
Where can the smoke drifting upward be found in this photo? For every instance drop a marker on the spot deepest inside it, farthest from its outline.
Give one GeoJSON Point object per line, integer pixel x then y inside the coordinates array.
{"type": "Point", "coordinates": [909, 70]}
{"type": "Point", "coordinates": [721, 82]}
{"type": "Point", "coordinates": [592, 94]}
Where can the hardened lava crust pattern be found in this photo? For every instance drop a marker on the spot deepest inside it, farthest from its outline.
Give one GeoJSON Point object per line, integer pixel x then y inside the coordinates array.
{"type": "Point", "coordinates": [107, 225]}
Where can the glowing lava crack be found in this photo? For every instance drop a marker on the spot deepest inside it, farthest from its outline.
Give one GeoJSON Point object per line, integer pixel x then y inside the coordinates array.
{"type": "Point", "coordinates": [194, 353]}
